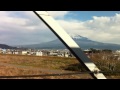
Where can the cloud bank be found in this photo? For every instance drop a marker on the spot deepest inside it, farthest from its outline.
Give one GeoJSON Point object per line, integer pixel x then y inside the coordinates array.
{"type": "Point", "coordinates": [24, 27]}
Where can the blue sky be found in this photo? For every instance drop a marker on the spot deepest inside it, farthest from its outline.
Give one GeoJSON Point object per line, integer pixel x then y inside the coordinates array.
{"type": "Point", "coordinates": [24, 27]}
{"type": "Point", "coordinates": [87, 15]}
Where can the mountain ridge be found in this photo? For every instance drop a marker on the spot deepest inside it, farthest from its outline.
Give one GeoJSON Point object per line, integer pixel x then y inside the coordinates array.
{"type": "Point", "coordinates": [83, 42]}
{"type": "Point", "coordinates": [4, 46]}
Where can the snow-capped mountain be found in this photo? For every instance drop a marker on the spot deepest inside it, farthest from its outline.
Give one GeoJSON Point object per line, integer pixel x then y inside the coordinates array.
{"type": "Point", "coordinates": [76, 36]}
{"type": "Point", "coordinates": [83, 42]}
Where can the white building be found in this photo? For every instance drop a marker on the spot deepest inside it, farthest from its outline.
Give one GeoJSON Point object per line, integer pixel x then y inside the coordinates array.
{"type": "Point", "coordinates": [53, 54]}
{"type": "Point", "coordinates": [4, 51]}
{"type": "Point", "coordinates": [16, 52]}
{"type": "Point", "coordinates": [117, 51]}
{"type": "Point", "coordinates": [66, 55]}
{"type": "Point", "coordinates": [24, 52]}
{"type": "Point", "coordinates": [39, 53]}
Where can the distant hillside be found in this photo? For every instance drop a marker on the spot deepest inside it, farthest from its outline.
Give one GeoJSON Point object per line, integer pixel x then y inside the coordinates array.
{"type": "Point", "coordinates": [4, 46]}
{"type": "Point", "coordinates": [83, 42]}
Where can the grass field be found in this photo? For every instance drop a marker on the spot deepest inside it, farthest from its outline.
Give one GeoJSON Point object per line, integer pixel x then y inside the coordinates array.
{"type": "Point", "coordinates": [40, 62]}
{"type": "Point", "coordinates": [32, 65]}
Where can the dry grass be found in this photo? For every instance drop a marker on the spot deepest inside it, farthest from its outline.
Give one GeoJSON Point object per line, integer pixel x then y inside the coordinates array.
{"type": "Point", "coordinates": [13, 71]}
{"type": "Point", "coordinates": [25, 65]}
{"type": "Point", "coordinates": [12, 65]}
{"type": "Point", "coordinates": [40, 62]}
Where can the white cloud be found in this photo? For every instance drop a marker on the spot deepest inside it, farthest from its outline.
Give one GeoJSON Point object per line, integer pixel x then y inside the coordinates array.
{"type": "Point", "coordinates": [102, 29]}
{"type": "Point", "coordinates": [17, 28]}
{"type": "Point", "coordinates": [58, 14]}
{"type": "Point", "coordinates": [24, 27]}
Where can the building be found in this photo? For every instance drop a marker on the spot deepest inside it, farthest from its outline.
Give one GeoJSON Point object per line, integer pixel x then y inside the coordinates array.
{"type": "Point", "coordinates": [24, 52]}
{"type": "Point", "coordinates": [4, 51]}
{"type": "Point", "coordinates": [39, 53]}
{"type": "Point", "coordinates": [117, 51]}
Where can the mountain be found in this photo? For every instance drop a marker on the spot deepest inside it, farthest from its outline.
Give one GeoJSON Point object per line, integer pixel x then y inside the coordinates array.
{"type": "Point", "coordinates": [4, 46]}
{"type": "Point", "coordinates": [83, 42]}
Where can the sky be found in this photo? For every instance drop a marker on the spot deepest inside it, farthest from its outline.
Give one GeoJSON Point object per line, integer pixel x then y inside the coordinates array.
{"type": "Point", "coordinates": [24, 27]}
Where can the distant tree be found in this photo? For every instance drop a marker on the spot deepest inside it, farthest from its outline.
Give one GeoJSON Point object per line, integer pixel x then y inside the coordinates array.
{"type": "Point", "coordinates": [94, 50]}
{"type": "Point", "coordinates": [107, 50]}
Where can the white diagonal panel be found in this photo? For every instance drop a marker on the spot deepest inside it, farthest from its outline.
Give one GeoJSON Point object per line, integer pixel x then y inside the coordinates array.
{"type": "Point", "coordinates": [69, 42]}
